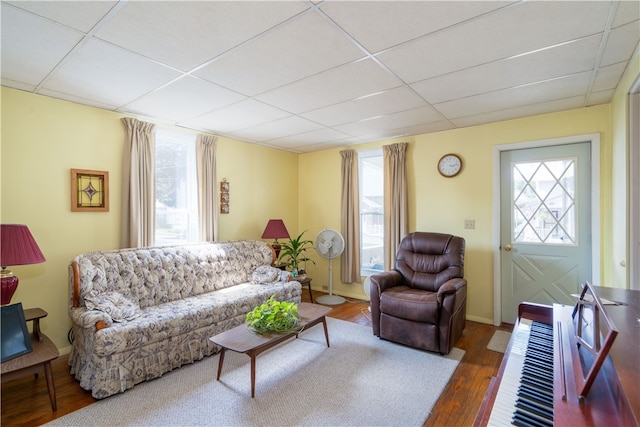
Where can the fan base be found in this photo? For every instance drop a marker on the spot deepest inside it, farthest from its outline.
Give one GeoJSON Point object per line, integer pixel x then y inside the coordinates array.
{"type": "Point", "coordinates": [330, 299]}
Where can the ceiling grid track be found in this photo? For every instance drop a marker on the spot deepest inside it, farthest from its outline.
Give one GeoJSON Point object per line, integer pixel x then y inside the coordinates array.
{"type": "Point", "coordinates": [82, 41]}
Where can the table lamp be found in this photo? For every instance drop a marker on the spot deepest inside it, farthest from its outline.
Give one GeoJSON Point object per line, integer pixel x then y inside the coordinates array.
{"type": "Point", "coordinates": [18, 247]}
{"type": "Point", "coordinates": [275, 230]}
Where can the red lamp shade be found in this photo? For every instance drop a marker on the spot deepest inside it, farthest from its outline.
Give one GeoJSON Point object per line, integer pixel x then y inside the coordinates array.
{"type": "Point", "coordinates": [275, 229]}
{"type": "Point", "coordinates": [17, 247]}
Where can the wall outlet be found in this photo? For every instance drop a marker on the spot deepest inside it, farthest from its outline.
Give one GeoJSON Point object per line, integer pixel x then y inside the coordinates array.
{"type": "Point", "coordinates": [325, 287]}
{"type": "Point", "coordinates": [470, 224]}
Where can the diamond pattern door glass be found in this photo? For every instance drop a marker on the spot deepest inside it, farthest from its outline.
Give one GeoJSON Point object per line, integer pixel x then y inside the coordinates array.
{"type": "Point", "coordinates": [544, 202]}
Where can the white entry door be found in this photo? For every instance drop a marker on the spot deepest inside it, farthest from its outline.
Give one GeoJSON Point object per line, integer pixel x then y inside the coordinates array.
{"type": "Point", "coordinates": [545, 225]}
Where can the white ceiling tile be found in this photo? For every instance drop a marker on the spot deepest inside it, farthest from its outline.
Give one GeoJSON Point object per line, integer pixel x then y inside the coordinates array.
{"type": "Point", "coordinates": [108, 74]}
{"type": "Point", "coordinates": [387, 102]}
{"type": "Point", "coordinates": [308, 148]}
{"type": "Point", "coordinates": [254, 67]}
{"type": "Point", "coordinates": [522, 111]}
{"type": "Point", "coordinates": [560, 88]}
{"type": "Point", "coordinates": [628, 11]}
{"type": "Point", "coordinates": [569, 58]}
{"type": "Point", "coordinates": [510, 31]}
{"type": "Point", "coordinates": [238, 116]}
{"type": "Point", "coordinates": [314, 137]}
{"type": "Point", "coordinates": [337, 85]}
{"type": "Point", "coordinates": [608, 77]}
{"type": "Point", "coordinates": [18, 85]}
{"type": "Point", "coordinates": [32, 46]}
{"type": "Point", "coordinates": [299, 49]}
{"type": "Point", "coordinates": [601, 97]}
{"type": "Point", "coordinates": [621, 43]}
{"type": "Point", "coordinates": [383, 133]}
{"type": "Point", "coordinates": [186, 34]}
{"type": "Point", "coordinates": [382, 24]}
{"type": "Point", "coordinates": [292, 125]}
{"type": "Point", "coordinates": [183, 99]}
{"type": "Point", "coordinates": [77, 99]}
{"type": "Point", "coordinates": [416, 117]}
{"type": "Point", "coordinates": [81, 15]}
{"type": "Point", "coordinates": [438, 126]}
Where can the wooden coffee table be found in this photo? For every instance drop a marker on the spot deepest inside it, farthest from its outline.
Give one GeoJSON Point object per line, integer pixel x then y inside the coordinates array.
{"type": "Point", "coordinates": [243, 340]}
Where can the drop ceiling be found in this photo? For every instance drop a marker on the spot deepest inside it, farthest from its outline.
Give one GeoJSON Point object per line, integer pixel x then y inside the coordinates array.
{"type": "Point", "coordinates": [304, 76]}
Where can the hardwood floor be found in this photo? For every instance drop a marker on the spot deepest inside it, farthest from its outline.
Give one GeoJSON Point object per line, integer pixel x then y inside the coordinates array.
{"type": "Point", "coordinates": [25, 401]}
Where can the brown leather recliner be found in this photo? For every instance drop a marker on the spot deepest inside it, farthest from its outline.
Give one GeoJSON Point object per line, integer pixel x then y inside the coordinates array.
{"type": "Point", "coordinates": [422, 302]}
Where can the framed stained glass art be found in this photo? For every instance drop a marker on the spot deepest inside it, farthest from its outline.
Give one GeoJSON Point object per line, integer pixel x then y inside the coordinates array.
{"type": "Point", "coordinates": [89, 190]}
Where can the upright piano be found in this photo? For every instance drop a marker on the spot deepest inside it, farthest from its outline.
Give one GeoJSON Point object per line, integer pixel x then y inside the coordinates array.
{"type": "Point", "coordinates": [570, 365]}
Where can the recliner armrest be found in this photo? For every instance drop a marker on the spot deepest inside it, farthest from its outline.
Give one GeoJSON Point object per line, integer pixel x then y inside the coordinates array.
{"type": "Point", "coordinates": [385, 280]}
{"type": "Point", "coordinates": [380, 282]}
{"type": "Point", "coordinates": [450, 287]}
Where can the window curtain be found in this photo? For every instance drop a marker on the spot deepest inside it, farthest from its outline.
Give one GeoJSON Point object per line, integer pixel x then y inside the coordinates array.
{"type": "Point", "coordinates": [350, 218]}
{"type": "Point", "coordinates": [138, 195]}
{"type": "Point", "coordinates": [396, 207]}
{"type": "Point", "coordinates": [207, 200]}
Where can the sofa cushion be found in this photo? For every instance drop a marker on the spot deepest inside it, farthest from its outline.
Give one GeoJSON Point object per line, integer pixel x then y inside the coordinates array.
{"type": "Point", "coordinates": [116, 305]}
{"type": "Point", "coordinates": [265, 274]}
{"type": "Point", "coordinates": [178, 317]}
{"type": "Point", "coordinates": [157, 275]}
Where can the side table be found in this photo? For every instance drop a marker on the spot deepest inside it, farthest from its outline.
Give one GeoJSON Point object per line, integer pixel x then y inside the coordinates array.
{"type": "Point", "coordinates": [44, 351]}
{"type": "Point", "coordinates": [307, 282]}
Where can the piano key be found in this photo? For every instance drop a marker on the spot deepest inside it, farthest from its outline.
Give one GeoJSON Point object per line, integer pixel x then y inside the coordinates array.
{"type": "Point", "coordinates": [502, 412]}
{"type": "Point", "coordinates": [542, 398]}
{"type": "Point", "coordinates": [524, 419]}
{"type": "Point", "coordinates": [535, 408]}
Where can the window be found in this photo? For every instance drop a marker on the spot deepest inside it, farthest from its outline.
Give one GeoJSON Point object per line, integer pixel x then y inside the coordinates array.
{"type": "Point", "coordinates": [544, 202]}
{"type": "Point", "coordinates": [176, 188]}
{"type": "Point", "coordinates": [371, 189]}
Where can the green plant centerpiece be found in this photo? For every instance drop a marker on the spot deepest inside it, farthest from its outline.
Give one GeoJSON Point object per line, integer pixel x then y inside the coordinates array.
{"type": "Point", "coordinates": [273, 316]}
{"type": "Point", "coordinates": [293, 253]}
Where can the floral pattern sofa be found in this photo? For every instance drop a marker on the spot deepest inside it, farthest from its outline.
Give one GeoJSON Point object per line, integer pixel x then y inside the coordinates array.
{"type": "Point", "coordinates": [138, 313]}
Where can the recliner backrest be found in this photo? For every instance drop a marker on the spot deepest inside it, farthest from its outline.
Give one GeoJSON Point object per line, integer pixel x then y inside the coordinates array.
{"type": "Point", "coordinates": [427, 260]}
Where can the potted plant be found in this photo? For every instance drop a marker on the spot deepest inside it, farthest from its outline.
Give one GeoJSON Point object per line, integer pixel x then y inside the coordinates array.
{"type": "Point", "coordinates": [273, 316]}
{"type": "Point", "coordinates": [295, 253]}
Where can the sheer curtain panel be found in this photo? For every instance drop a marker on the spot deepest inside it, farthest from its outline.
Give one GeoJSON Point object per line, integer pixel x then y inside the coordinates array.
{"type": "Point", "coordinates": [138, 195]}
{"type": "Point", "coordinates": [350, 218]}
{"type": "Point", "coordinates": [207, 200]}
{"type": "Point", "coordinates": [396, 208]}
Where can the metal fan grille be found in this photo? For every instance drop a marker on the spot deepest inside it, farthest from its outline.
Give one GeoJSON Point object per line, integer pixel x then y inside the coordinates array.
{"type": "Point", "coordinates": [329, 244]}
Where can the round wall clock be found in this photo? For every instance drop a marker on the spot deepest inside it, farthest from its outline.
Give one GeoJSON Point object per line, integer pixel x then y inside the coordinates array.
{"type": "Point", "coordinates": [450, 165]}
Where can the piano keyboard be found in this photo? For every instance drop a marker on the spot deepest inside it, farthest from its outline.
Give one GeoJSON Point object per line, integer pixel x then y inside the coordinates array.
{"type": "Point", "coordinates": [525, 395]}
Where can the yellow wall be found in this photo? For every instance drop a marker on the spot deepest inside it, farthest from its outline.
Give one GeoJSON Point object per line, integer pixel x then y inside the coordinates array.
{"type": "Point", "coordinates": [264, 185]}
{"type": "Point", "coordinates": [616, 273]}
{"type": "Point", "coordinates": [442, 204]}
{"type": "Point", "coordinates": [43, 138]}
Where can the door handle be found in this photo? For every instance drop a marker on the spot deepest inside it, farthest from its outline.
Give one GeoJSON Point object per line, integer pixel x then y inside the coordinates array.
{"type": "Point", "coordinates": [507, 247]}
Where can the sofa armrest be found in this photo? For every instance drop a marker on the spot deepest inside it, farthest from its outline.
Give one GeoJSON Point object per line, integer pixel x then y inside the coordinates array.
{"type": "Point", "coordinates": [90, 318]}
{"type": "Point", "coordinates": [76, 283]}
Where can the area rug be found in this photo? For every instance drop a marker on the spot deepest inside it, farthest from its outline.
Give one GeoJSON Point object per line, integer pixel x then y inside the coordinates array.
{"type": "Point", "coordinates": [499, 341]}
{"type": "Point", "coordinates": [359, 380]}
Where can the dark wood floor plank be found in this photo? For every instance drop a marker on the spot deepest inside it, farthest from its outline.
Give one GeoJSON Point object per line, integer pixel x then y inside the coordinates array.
{"type": "Point", "coordinates": [25, 401]}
